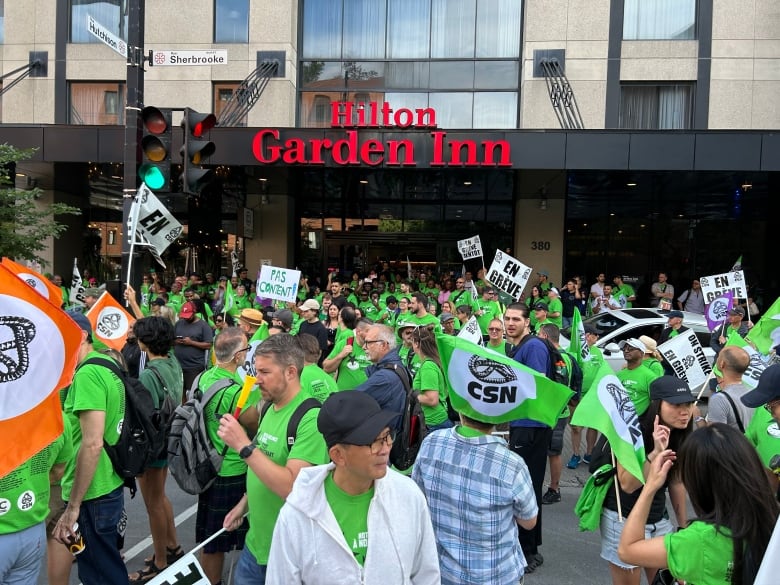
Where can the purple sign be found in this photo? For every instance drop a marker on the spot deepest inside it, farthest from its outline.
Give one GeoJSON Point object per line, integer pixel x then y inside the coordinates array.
{"type": "Point", "coordinates": [717, 310]}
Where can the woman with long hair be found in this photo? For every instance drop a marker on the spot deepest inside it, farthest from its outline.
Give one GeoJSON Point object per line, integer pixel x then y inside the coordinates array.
{"type": "Point", "coordinates": [162, 377]}
{"type": "Point", "coordinates": [736, 511]}
{"type": "Point", "coordinates": [666, 424]}
{"type": "Point", "coordinates": [429, 380]}
{"type": "Point", "coordinates": [331, 323]}
{"type": "Point", "coordinates": [444, 293]}
{"type": "Point", "coordinates": [533, 298]}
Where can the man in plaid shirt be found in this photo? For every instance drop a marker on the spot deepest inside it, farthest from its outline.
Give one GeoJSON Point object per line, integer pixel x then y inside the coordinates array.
{"type": "Point", "coordinates": [478, 491]}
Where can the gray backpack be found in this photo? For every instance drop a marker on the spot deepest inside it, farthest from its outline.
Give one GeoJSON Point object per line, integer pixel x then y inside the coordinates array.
{"type": "Point", "coordinates": [193, 460]}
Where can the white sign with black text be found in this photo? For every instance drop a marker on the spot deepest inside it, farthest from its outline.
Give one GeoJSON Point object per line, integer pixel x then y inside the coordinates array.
{"type": "Point", "coordinates": [175, 58]}
{"type": "Point", "coordinates": [155, 223]}
{"type": "Point", "coordinates": [508, 274]}
{"type": "Point", "coordinates": [470, 248]}
{"type": "Point", "coordinates": [686, 356]}
{"type": "Point", "coordinates": [717, 284]}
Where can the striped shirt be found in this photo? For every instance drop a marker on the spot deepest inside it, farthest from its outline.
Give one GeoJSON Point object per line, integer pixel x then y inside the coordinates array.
{"type": "Point", "coordinates": [475, 487]}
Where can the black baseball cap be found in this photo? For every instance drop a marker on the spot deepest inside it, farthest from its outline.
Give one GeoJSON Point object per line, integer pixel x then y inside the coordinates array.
{"type": "Point", "coordinates": [591, 329]}
{"type": "Point", "coordinates": [671, 389]}
{"type": "Point", "coordinates": [768, 388]}
{"type": "Point", "coordinates": [675, 314]}
{"type": "Point", "coordinates": [540, 307]}
{"type": "Point", "coordinates": [352, 417]}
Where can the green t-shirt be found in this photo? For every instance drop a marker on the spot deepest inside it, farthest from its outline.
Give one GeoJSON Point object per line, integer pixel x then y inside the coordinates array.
{"type": "Point", "coordinates": [555, 306]}
{"type": "Point", "coordinates": [626, 291]}
{"type": "Point", "coordinates": [271, 439]}
{"type": "Point", "coordinates": [351, 513]}
{"type": "Point", "coordinates": [172, 379]}
{"type": "Point", "coordinates": [700, 554]}
{"type": "Point", "coordinates": [468, 432]}
{"type": "Point", "coordinates": [490, 310]}
{"type": "Point", "coordinates": [430, 377]}
{"type": "Point", "coordinates": [655, 366]}
{"type": "Point", "coordinates": [317, 382]}
{"type": "Point", "coordinates": [764, 432]}
{"type": "Point", "coordinates": [352, 369]}
{"type": "Point", "coordinates": [24, 493]}
{"type": "Point", "coordinates": [95, 388]}
{"type": "Point", "coordinates": [224, 401]}
{"type": "Point", "coordinates": [413, 364]}
{"type": "Point", "coordinates": [637, 384]}
{"type": "Point", "coordinates": [426, 319]}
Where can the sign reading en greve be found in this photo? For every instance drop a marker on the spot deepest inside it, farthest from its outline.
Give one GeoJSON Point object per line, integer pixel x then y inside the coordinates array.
{"type": "Point", "coordinates": [106, 36]}
{"type": "Point", "coordinates": [212, 57]}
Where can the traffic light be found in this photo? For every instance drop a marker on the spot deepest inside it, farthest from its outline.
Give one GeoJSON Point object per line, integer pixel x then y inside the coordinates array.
{"type": "Point", "coordinates": [195, 152]}
{"type": "Point", "coordinates": [155, 169]}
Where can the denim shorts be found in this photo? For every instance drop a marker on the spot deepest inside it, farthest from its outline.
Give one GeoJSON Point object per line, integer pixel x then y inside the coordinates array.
{"type": "Point", "coordinates": [612, 528]}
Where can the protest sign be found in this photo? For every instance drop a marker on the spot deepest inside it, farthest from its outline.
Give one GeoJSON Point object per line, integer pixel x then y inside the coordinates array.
{"type": "Point", "coordinates": [719, 284]}
{"type": "Point", "coordinates": [508, 274]}
{"type": "Point", "coordinates": [686, 357]}
{"type": "Point", "coordinates": [185, 571]}
{"type": "Point", "coordinates": [77, 289]}
{"type": "Point", "coordinates": [470, 248]}
{"type": "Point", "coordinates": [717, 311]}
{"type": "Point", "coordinates": [278, 283]}
{"type": "Point", "coordinates": [471, 331]}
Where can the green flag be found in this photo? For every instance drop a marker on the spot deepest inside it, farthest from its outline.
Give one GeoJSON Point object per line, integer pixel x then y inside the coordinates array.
{"type": "Point", "coordinates": [229, 299]}
{"type": "Point", "coordinates": [578, 347]}
{"type": "Point", "coordinates": [766, 333]}
{"type": "Point", "coordinates": [489, 387]}
{"type": "Point", "coordinates": [608, 409]}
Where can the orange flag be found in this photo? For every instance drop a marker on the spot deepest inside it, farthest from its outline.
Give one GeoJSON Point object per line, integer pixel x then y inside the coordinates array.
{"type": "Point", "coordinates": [110, 322]}
{"type": "Point", "coordinates": [39, 282]}
{"type": "Point", "coordinates": [39, 347]}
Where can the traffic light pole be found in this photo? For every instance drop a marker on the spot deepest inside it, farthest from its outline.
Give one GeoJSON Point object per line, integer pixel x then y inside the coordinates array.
{"type": "Point", "coordinates": [135, 96]}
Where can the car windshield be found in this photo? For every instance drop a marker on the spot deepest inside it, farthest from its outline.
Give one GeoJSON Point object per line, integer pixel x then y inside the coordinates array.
{"type": "Point", "coordinates": [605, 324]}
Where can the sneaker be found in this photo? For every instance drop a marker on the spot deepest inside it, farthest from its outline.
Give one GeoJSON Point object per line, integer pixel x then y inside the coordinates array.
{"type": "Point", "coordinates": [573, 462]}
{"type": "Point", "coordinates": [551, 497]}
{"type": "Point", "coordinates": [586, 459]}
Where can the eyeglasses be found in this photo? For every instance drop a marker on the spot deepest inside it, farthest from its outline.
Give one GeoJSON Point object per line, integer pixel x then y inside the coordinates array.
{"type": "Point", "coordinates": [219, 320]}
{"type": "Point", "coordinates": [367, 342]}
{"type": "Point", "coordinates": [380, 442]}
{"type": "Point", "coordinates": [242, 350]}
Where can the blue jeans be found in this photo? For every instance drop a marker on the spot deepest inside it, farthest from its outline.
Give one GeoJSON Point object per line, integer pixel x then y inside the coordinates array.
{"type": "Point", "coordinates": [100, 562]}
{"type": "Point", "coordinates": [21, 555]}
{"type": "Point", "coordinates": [248, 572]}
{"type": "Point", "coordinates": [442, 425]}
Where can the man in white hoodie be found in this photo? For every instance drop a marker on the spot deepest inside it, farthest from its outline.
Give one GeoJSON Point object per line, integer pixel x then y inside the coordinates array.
{"type": "Point", "coordinates": [322, 534]}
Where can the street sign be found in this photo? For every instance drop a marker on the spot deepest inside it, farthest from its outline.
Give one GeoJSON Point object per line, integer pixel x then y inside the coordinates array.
{"type": "Point", "coordinates": [106, 36]}
{"type": "Point", "coordinates": [164, 58]}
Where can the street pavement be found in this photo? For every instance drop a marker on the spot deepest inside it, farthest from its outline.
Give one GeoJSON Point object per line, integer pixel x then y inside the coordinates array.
{"type": "Point", "coordinates": [571, 557]}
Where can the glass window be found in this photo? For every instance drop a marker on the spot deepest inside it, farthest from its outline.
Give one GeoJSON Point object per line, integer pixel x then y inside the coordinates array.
{"type": "Point", "coordinates": [322, 29]}
{"type": "Point", "coordinates": [656, 107]}
{"type": "Point", "coordinates": [408, 74]}
{"type": "Point", "coordinates": [499, 28]}
{"type": "Point", "coordinates": [452, 75]}
{"type": "Point", "coordinates": [496, 75]}
{"type": "Point", "coordinates": [659, 20]}
{"type": "Point", "coordinates": [108, 13]}
{"type": "Point", "coordinates": [322, 74]}
{"type": "Point", "coordinates": [453, 110]}
{"type": "Point", "coordinates": [408, 29]}
{"type": "Point", "coordinates": [413, 101]}
{"type": "Point", "coordinates": [495, 110]}
{"type": "Point", "coordinates": [2, 21]}
{"type": "Point", "coordinates": [231, 21]}
{"type": "Point", "coordinates": [98, 103]}
{"type": "Point", "coordinates": [452, 28]}
{"type": "Point", "coordinates": [223, 93]}
{"type": "Point", "coordinates": [364, 29]}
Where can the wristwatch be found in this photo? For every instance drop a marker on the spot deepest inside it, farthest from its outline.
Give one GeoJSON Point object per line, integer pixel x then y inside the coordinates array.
{"type": "Point", "coordinates": [247, 451]}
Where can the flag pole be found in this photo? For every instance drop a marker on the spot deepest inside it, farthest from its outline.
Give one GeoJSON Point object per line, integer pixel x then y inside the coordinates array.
{"type": "Point", "coordinates": [617, 487]}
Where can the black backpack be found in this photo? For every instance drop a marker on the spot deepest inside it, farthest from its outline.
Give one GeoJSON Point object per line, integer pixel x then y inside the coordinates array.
{"type": "Point", "coordinates": [142, 435]}
{"type": "Point", "coordinates": [565, 369]}
{"type": "Point", "coordinates": [295, 419]}
{"type": "Point", "coordinates": [413, 428]}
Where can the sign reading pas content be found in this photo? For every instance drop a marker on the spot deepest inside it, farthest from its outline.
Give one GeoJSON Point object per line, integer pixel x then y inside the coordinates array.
{"type": "Point", "coordinates": [278, 283]}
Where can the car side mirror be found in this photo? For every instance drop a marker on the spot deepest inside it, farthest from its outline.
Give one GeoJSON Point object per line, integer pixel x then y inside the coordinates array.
{"type": "Point", "coordinates": [611, 348]}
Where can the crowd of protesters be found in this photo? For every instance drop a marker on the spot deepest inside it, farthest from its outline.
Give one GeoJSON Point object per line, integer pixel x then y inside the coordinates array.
{"type": "Point", "coordinates": [324, 508]}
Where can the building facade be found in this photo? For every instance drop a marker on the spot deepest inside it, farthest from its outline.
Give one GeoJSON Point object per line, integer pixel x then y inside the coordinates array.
{"type": "Point", "coordinates": [618, 136]}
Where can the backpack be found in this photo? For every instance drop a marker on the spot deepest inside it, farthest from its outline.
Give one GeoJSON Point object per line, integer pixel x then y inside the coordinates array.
{"type": "Point", "coordinates": [413, 428]}
{"type": "Point", "coordinates": [193, 460]}
{"type": "Point", "coordinates": [142, 434]}
{"type": "Point", "coordinates": [295, 419]}
{"type": "Point", "coordinates": [565, 369]}
{"type": "Point", "coordinates": [167, 408]}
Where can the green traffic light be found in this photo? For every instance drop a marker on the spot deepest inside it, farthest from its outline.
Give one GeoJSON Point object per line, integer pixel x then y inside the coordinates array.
{"type": "Point", "coordinates": [152, 176]}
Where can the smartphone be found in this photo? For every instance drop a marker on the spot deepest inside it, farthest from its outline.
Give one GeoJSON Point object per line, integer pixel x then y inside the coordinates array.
{"type": "Point", "coordinates": [179, 337]}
